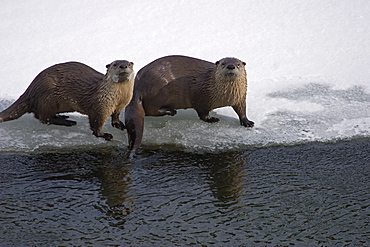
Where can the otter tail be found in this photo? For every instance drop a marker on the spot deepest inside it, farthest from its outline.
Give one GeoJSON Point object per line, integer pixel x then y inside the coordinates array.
{"type": "Point", "coordinates": [16, 110]}
{"type": "Point", "coordinates": [134, 121]}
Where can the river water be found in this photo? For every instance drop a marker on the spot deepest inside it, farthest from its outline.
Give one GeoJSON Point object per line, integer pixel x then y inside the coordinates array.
{"type": "Point", "coordinates": [307, 194]}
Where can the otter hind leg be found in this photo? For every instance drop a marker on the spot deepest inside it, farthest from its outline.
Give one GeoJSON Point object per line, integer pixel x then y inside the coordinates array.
{"type": "Point", "coordinates": [204, 115]}
{"type": "Point", "coordinates": [61, 120]}
{"type": "Point", "coordinates": [167, 111]}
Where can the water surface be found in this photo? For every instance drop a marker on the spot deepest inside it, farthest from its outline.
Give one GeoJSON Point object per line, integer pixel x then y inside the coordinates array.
{"type": "Point", "coordinates": [312, 194]}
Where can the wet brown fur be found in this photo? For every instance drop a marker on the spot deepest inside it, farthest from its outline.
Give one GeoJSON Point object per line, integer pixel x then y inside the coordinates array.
{"type": "Point", "coordinates": [73, 86]}
{"type": "Point", "coordinates": [179, 82]}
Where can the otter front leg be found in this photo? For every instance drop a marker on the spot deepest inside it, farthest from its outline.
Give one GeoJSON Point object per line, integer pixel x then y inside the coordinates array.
{"type": "Point", "coordinates": [134, 120]}
{"type": "Point", "coordinates": [96, 126]}
{"type": "Point", "coordinates": [116, 122]}
{"type": "Point", "coordinates": [240, 110]}
{"type": "Point", "coordinates": [204, 115]}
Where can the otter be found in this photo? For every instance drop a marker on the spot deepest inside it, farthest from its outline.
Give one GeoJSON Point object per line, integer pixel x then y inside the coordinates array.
{"type": "Point", "coordinates": [74, 86]}
{"type": "Point", "coordinates": [180, 82]}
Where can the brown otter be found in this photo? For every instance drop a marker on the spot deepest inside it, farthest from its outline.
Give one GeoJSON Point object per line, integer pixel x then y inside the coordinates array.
{"type": "Point", "coordinates": [179, 82]}
{"type": "Point", "coordinates": [73, 86]}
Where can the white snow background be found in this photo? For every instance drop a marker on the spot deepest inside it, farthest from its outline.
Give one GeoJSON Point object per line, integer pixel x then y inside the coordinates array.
{"type": "Point", "coordinates": [307, 63]}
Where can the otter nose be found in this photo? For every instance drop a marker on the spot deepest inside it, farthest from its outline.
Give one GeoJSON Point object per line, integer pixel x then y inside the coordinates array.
{"type": "Point", "coordinates": [123, 66]}
{"type": "Point", "coordinates": [231, 66]}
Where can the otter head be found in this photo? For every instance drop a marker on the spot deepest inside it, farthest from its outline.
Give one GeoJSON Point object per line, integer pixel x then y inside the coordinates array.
{"type": "Point", "coordinates": [120, 71]}
{"type": "Point", "coordinates": [231, 68]}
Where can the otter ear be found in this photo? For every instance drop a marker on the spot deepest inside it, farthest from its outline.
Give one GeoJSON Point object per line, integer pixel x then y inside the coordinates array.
{"type": "Point", "coordinates": [244, 63]}
{"type": "Point", "coordinates": [107, 66]}
{"type": "Point", "coordinates": [217, 63]}
{"type": "Point", "coordinates": [131, 63]}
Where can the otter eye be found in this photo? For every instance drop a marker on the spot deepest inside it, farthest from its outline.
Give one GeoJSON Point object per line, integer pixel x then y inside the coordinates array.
{"type": "Point", "coordinates": [114, 65]}
{"type": "Point", "coordinates": [223, 64]}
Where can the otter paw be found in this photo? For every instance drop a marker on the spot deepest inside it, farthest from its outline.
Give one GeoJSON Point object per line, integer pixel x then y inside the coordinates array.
{"type": "Point", "coordinates": [60, 120]}
{"type": "Point", "coordinates": [107, 136]}
{"type": "Point", "coordinates": [247, 123]}
{"type": "Point", "coordinates": [63, 116]}
{"type": "Point", "coordinates": [212, 120]}
{"type": "Point", "coordinates": [70, 123]}
{"type": "Point", "coordinates": [119, 125]}
{"type": "Point", "coordinates": [167, 111]}
{"type": "Point", "coordinates": [171, 112]}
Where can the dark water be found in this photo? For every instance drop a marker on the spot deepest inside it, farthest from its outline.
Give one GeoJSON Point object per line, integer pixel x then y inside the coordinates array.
{"type": "Point", "coordinates": [312, 194]}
